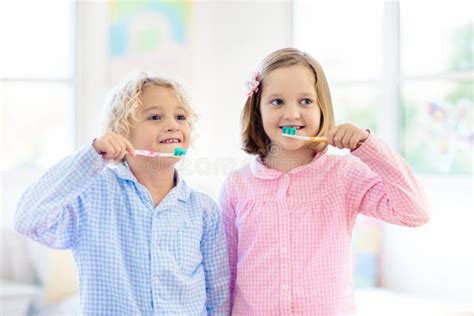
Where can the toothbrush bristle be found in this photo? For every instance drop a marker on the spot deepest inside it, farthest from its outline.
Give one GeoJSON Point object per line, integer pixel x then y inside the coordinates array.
{"type": "Point", "coordinates": [289, 130]}
{"type": "Point", "coordinates": [179, 151]}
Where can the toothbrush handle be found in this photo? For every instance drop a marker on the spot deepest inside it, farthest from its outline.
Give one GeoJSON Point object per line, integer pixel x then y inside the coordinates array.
{"type": "Point", "coordinates": [317, 139]}
{"type": "Point", "coordinates": [306, 138]}
{"type": "Point", "coordinates": [312, 138]}
{"type": "Point", "coordinates": [152, 154]}
{"type": "Point", "coordinates": [165, 155]}
{"type": "Point", "coordinates": [324, 140]}
{"type": "Point", "coordinates": [146, 153]}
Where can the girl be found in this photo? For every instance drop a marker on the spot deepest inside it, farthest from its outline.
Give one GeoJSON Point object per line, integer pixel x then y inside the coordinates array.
{"type": "Point", "coordinates": [289, 214]}
{"type": "Point", "coordinates": [144, 242]}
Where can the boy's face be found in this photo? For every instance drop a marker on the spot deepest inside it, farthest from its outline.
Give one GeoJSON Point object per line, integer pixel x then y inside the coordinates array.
{"type": "Point", "coordinates": [289, 99]}
{"type": "Point", "coordinates": [163, 122]}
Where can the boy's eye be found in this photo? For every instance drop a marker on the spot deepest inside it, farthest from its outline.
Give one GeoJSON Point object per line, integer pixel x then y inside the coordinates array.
{"type": "Point", "coordinates": [181, 117]}
{"type": "Point", "coordinates": [277, 102]}
{"type": "Point", "coordinates": [306, 101]}
{"type": "Point", "coordinates": [155, 117]}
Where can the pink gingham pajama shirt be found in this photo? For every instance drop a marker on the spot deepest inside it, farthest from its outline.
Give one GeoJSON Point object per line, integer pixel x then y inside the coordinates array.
{"type": "Point", "coordinates": [289, 234]}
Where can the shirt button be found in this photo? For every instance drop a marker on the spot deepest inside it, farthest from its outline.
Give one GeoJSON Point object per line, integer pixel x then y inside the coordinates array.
{"type": "Point", "coordinates": [156, 279]}
{"type": "Point", "coordinates": [285, 287]}
{"type": "Point", "coordinates": [284, 250]}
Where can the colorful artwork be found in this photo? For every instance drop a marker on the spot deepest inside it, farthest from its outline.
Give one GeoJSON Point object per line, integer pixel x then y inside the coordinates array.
{"type": "Point", "coordinates": [437, 130]}
{"type": "Point", "coordinates": [149, 35]}
{"type": "Point", "coordinates": [366, 247]}
{"type": "Point", "coordinates": [451, 121]}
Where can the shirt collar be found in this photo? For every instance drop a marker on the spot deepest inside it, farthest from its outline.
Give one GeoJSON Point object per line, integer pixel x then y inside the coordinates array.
{"type": "Point", "coordinates": [263, 172]}
{"type": "Point", "coordinates": [181, 190]}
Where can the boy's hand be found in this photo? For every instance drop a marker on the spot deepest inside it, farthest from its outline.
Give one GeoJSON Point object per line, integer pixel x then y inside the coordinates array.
{"type": "Point", "coordinates": [112, 146]}
{"type": "Point", "coordinates": [346, 136]}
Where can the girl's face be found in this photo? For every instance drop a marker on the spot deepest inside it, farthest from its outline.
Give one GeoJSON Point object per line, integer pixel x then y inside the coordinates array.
{"type": "Point", "coordinates": [289, 99]}
{"type": "Point", "coordinates": [163, 122]}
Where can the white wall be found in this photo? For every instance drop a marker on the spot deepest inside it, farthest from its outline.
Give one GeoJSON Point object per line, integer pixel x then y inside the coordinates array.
{"type": "Point", "coordinates": [435, 259]}
{"type": "Point", "coordinates": [91, 58]}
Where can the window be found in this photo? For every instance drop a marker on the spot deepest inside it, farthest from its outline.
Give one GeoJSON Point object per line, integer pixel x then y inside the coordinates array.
{"type": "Point", "coordinates": [437, 85]}
{"type": "Point", "coordinates": [402, 68]}
{"type": "Point", "coordinates": [37, 83]}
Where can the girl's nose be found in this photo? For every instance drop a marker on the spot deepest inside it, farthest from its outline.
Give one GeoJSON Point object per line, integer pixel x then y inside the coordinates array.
{"type": "Point", "coordinates": [292, 112]}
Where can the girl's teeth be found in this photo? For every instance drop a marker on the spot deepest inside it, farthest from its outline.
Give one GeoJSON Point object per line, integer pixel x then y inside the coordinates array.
{"type": "Point", "coordinates": [170, 141]}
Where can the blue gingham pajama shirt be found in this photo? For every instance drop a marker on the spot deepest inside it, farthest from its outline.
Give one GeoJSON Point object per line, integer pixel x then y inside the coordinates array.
{"type": "Point", "coordinates": [132, 258]}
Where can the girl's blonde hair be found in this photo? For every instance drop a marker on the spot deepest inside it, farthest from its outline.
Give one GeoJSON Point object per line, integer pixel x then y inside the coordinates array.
{"type": "Point", "coordinates": [124, 104]}
{"type": "Point", "coordinates": [254, 139]}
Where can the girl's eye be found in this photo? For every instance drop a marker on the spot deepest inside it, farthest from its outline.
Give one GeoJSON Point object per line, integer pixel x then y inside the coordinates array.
{"type": "Point", "coordinates": [181, 117]}
{"type": "Point", "coordinates": [306, 101]}
{"type": "Point", "coordinates": [277, 102]}
{"type": "Point", "coordinates": [155, 117]}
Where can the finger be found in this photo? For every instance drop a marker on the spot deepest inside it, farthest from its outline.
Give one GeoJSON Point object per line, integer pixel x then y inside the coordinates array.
{"type": "Point", "coordinates": [108, 151]}
{"type": "Point", "coordinates": [338, 138]}
{"type": "Point", "coordinates": [122, 154]}
{"type": "Point", "coordinates": [116, 148]}
{"type": "Point", "coordinates": [129, 148]}
{"type": "Point", "coordinates": [347, 139]}
{"type": "Point", "coordinates": [101, 145]}
{"type": "Point", "coordinates": [354, 142]}
{"type": "Point", "coordinates": [330, 136]}
{"type": "Point", "coordinates": [121, 151]}
{"type": "Point", "coordinates": [125, 144]}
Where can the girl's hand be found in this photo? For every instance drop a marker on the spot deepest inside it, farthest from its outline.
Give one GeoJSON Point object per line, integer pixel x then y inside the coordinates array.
{"type": "Point", "coordinates": [112, 146]}
{"type": "Point", "coordinates": [346, 136]}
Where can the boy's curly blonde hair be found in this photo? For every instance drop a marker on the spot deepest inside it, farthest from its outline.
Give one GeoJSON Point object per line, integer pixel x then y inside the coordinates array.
{"type": "Point", "coordinates": [124, 103]}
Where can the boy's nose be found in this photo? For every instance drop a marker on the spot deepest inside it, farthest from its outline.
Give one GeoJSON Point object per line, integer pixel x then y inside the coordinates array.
{"type": "Point", "coordinates": [172, 125]}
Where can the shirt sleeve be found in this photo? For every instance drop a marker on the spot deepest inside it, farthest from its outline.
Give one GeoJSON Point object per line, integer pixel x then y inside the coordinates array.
{"type": "Point", "coordinates": [381, 184]}
{"type": "Point", "coordinates": [228, 219]}
{"type": "Point", "coordinates": [216, 265]}
{"type": "Point", "coordinates": [51, 210]}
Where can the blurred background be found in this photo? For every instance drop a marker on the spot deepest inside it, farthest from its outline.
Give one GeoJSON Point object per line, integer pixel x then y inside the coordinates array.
{"type": "Point", "coordinates": [403, 68]}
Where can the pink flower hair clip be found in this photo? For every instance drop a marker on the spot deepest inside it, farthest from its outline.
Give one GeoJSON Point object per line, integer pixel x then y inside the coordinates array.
{"type": "Point", "coordinates": [252, 84]}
